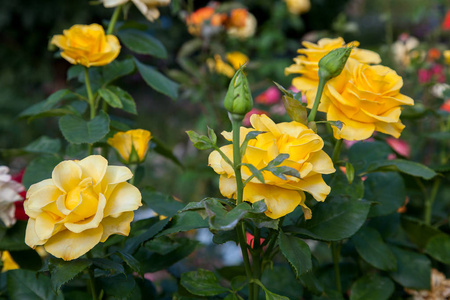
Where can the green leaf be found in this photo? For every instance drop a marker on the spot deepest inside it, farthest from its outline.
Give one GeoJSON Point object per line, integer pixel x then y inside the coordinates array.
{"type": "Point", "coordinates": [340, 186]}
{"type": "Point", "coordinates": [130, 261]}
{"type": "Point", "coordinates": [296, 111]}
{"type": "Point", "coordinates": [162, 245]}
{"type": "Point", "coordinates": [185, 221]}
{"type": "Point", "coordinates": [118, 286]}
{"type": "Point", "coordinates": [336, 219]}
{"type": "Point", "coordinates": [27, 259]}
{"type": "Point", "coordinates": [278, 160]}
{"type": "Point", "coordinates": [387, 190]}
{"type": "Point", "coordinates": [350, 172]}
{"type": "Point", "coordinates": [127, 101]}
{"type": "Point", "coordinates": [438, 247]}
{"type": "Point", "coordinates": [280, 172]}
{"type": "Point", "coordinates": [373, 249]}
{"type": "Point", "coordinates": [212, 136]}
{"type": "Point", "coordinates": [163, 150]}
{"type": "Point", "coordinates": [142, 43]}
{"type": "Point", "coordinates": [24, 285]}
{"type": "Point", "coordinates": [372, 287]}
{"type": "Point", "coordinates": [117, 69]}
{"type": "Point", "coordinates": [108, 265]}
{"type": "Point", "coordinates": [77, 131]}
{"type": "Point", "coordinates": [47, 104]}
{"type": "Point", "coordinates": [297, 252]}
{"type": "Point", "coordinates": [200, 142]}
{"type": "Point", "coordinates": [133, 243]}
{"type": "Point", "coordinates": [75, 71]}
{"type": "Point", "coordinates": [405, 166]}
{"type": "Point", "coordinates": [202, 282]}
{"type": "Point", "coordinates": [413, 269]}
{"type": "Point", "coordinates": [157, 81]}
{"type": "Point", "coordinates": [44, 144]}
{"type": "Point", "coordinates": [362, 154]}
{"type": "Point", "coordinates": [418, 232]}
{"type": "Point", "coordinates": [162, 204]}
{"type": "Point", "coordinates": [39, 169]}
{"type": "Point", "coordinates": [269, 294]}
{"type": "Point", "coordinates": [255, 172]}
{"type": "Point", "coordinates": [110, 97]}
{"type": "Point", "coordinates": [445, 136]}
{"type": "Point", "coordinates": [63, 271]}
{"type": "Point", "coordinates": [238, 283]}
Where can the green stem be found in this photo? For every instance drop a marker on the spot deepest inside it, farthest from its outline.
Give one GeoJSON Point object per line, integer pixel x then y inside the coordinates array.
{"type": "Point", "coordinates": [90, 100]}
{"type": "Point", "coordinates": [430, 200]}
{"type": "Point", "coordinates": [335, 251]}
{"type": "Point", "coordinates": [92, 278]}
{"type": "Point", "coordinates": [240, 230]}
{"type": "Point", "coordinates": [236, 126]}
{"type": "Point", "coordinates": [114, 18]}
{"type": "Point", "coordinates": [337, 151]}
{"type": "Point", "coordinates": [312, 114]}
{"type": "Point", "coordinates": [133, 169]}
{"type": "Point", "coordinates": [256, 255]}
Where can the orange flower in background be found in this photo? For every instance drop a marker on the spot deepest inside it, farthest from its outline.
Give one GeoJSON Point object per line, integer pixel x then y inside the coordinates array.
{"type": "Point", "coordinates": [241, 24]}
{"type": "Point", "coordinates": [198, 19]}
{"type": "Point", "coordinates": [87, 45]}
{"type": "Point", "coordinates": [307, 63]}
{"type": "Point", "coordinates": [433, 54]}
{"type": "Point", "coordinates": [445, 106]}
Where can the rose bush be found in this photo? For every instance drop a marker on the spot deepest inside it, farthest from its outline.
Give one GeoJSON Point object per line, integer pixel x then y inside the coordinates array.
{"type": "Point", "coordinates": [129, 142]}
{"type": "Point", "coordinates": [87, 45]}
{"type": "Point", "coordinates": [307, 63]}
{"type": "Point", "coordinates": [365, 99]}
{"type": "Point", "coordinates": [305, 155]}
{"type": "Point", "coordinates": [82, 204]}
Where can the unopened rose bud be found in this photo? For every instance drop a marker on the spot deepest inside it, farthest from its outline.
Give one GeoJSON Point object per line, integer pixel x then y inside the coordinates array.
{"type": "Point", "coordinates": [238, 100]}
{"type": "Point", "coordinates": [332, 64]}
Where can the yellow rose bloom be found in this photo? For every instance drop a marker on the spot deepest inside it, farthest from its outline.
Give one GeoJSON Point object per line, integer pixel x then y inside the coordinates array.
{"type": "Point", "coordinates": [124, 142]}
{"type": "Point", "coordinates": [82, 204]}
{"type": "Point", "coordinates": [8, 262]}
{"type": "Point", "coordinates": [447, 56]}
{"type": "Point", "coordinates": [365, 99]}
{"type": "Point", "coordinates": [87, 45]}
{"type": "Point", "coordinates": [147, 7]}
{"type": "Point", "coordinates": [307, 63]}
{"type": "Point", "coordinates": [237, 59]}
{"type": "Point", "coordinates": [305, 155]}
{"type": "Point", "coordinates": [298, 7]}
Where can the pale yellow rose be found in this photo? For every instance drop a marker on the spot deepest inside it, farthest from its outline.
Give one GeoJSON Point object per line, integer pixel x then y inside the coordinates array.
{"type": "Point", "coordinates": [440, 288]}
{"type": "Point", "coordinates": [82, 204]}
{"type": "Point", "coordinates": [305, 155]}
{"type": "Point", "coordinates": [124, 142]}
{"type": "Point", "coordinates": [236, 59]}
{"type": "Point", "coordinates": [365, 99]}
{"type": "Point", "coordinates": [8, 262]}
{"type": "Point", "coordinates": [402, 49]}
{"type": "Point", "coordinates": [87, 45]}
{"type": "Point", "coordinates": [307, 63]}
{"type": "Point", "coordinates": [147, 7]}
{"type": "Point", "coordinates": [298, 7]}
{"type": "Point", "coordinates": [241, 24]}
{"type": "Point", "coordinates": [446, 54]}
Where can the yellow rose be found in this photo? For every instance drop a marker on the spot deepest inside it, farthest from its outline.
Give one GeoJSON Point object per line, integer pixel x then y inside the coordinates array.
{"type": "Point", "coordinates": [307, 63]}
{"type": "Point", "coordinates": [237, 59]}
{"type": "Point", "coordinates": [147, 7]}
{"type": "Point", "coordinates": [305, 155]}
{"type": "Point", "coordinates": [365, 99]}
{"type": "Point", "coordinates": [7, 261]}
{"type": "Point", "coordinates": [298, 7]}
{"type": "Point", "coordinates": [124, 142]}
{"type": "Point", "coordinates": [82, 204]}
{"type": "Point", "coordinates": [87, 45]}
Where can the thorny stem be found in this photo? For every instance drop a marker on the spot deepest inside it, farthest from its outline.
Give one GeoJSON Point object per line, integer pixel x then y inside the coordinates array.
{"type": "Point", "coordinates": [90, 100]}
{"type": "Point", "coordinates": [337, 151]}
{"type": "Point", "coordinates": [430, 200]}
{"type": "Point", "coordinates": [335, 251]}
{"type": "Point", "coordinates": [92, 279]}
{"type": "Point", "coordinates": [114, 18]}
{"type": "Point", "coordinates": [312, 114]}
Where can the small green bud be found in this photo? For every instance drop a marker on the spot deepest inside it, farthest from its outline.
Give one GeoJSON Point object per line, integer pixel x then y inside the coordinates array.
{"type": "Point", "coordinates": [332, 64]}
{"type": "Point", "coordinates": [238, 100]}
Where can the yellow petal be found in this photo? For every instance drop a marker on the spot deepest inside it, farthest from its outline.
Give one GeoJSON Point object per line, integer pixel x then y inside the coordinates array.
{"type": "Point", "coordinates": [67, 175]}
{"type": "Point", "coordinates": [227, 186]}
{"type": "Point", "coordinates": [42, 197]}
{"type": "Point", "coordinates": [113, 176]}
{"type": "Point", "coordinates": [37, 186]}
{"type": "Point", "coordinates": [394, 129]}
{"type": "Point", "coordinates": [119, 225]}
{"type": "Point", "coordinates": [31, 238]}
{"type": "Point", "coordinates": [279, 201]}
{"type": "Point", "coordinates": [125, 197]}
{"type": "Point", "coordinates": [69, 245]}
{"type": "Point", "coordinates": [321, 163]}
{"type": "Point", "coordinates": [93, 166]}
{"type": "Point", "coordinates": [44, 226]}
{"type": "Point", "coordinates": [314, 185]}
{"type": "Point", "coordinates": [91, 222]}
{"type": "Point", "coordinates": [351, 130]}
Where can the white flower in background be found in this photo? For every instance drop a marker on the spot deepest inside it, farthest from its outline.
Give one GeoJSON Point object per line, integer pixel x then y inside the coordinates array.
{"type": "Point", "coordinates": [402, 49]}
{"type": "Point", "coordinates": [147, 7]}
{"type": "Point", "coordinates": [9, 193]}
{"type": "Point", "coordinates": [438, 90]}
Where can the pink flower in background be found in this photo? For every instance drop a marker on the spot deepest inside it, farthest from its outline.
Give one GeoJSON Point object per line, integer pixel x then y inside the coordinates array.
{"type": "Point", "coordinates": [294, 89]}
{"type": "Point", "coordinates": [399, 146]}
{"type": "Point", "coordinates": [251, 239]}
{"type": "Point", "coordinates": [270, 96]}
{"type": "Point", "coordinates": [348, 144]}
{"type": "Point", "coordinates": [246, 121]}
{"type": "Point", "coordinates": [278, 109]}
{"type": "Point", "coordinates": [438, 73]}
{"type": "Point", "coordinates": [424, 75]}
